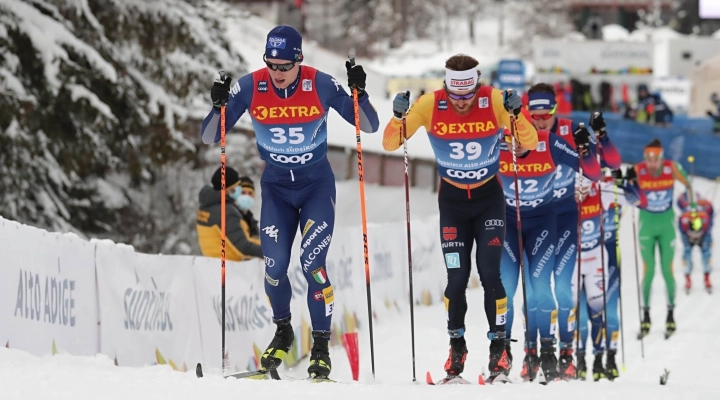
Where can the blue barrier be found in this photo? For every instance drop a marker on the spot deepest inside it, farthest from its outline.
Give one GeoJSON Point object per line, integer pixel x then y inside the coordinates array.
{"type": "Point", "coordinates": [679, 142]}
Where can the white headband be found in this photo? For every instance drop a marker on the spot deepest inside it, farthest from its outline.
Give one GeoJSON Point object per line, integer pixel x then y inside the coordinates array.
{"type": "Point", "coordinates": [461, 81]}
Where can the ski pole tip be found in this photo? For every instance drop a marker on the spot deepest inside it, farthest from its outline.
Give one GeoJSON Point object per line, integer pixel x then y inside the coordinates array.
{"type": "Point", "coordinates": [691, 159]}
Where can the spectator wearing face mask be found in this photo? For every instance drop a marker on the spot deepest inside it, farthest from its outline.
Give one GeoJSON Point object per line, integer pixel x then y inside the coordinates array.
{"type": "Point", "coordinates": [241, 228]}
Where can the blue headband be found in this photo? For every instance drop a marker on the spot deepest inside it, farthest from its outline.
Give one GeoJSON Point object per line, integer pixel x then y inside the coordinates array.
{"type": "Point", "coordinates": [541, 101]}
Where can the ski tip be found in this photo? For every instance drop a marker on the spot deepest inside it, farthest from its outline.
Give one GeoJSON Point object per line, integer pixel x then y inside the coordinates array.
{"type": "Point", "coordinates": [481, 380]}
{"type": "Point", "coordinates": [198, 370]}
{"type": "Point", "coordinates": [428, 378]}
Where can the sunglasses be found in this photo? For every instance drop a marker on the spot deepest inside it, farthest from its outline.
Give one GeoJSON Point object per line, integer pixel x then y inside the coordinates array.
{"type": "Point", "coordinates": [542, 117]}
{"type": "Point", "coordinates": [279, 67]}
{"type": "Point", "coordinates": [461, 96]}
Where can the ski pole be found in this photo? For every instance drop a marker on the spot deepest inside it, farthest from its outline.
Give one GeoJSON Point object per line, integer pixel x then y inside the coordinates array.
{"type": "Point", "coordinates": [637, 277]}
{"type": "Point", "coordinates": [712, 198]}
{"type": "Point", "coordinates": [691, 160]}
{"type": "Point", "coordinates": [356, 106]}
{"type": "Point", "coordinates": [602, 249]}
{"type": "Point", "coordinates": [222, 220]}
{"type": "Point", "coordinates": [409, 242]}
{"type": "Point", "coordinates": [619, 272]}
{"type": "Point", "coordinates": [521, 253]}
{"type": "Point", "coordinates": [579, 260]}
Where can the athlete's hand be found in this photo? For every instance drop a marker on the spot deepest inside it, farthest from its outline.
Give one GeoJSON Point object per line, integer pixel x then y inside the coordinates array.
{"type": "Point", "coordinates": [512, 102]}
{"type": "Point", "coordinates": [617, 176]}
{"type": "Point", "coordinates": [220, 91]}
{"type": "Point", "coordinates": [582, 140]}
{"type": "Point", "coordinates": [597, 123]}
{"type": "Point", "coordinates": [631, 174]}
{"type": "Point", "coordinates": [401, 104]}
{"type": "Point", "coordinates": [356, 77]}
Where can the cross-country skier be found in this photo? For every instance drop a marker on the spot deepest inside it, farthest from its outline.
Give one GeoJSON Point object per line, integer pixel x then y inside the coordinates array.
{"type": "Point", "coordinates": [536, 175]}
{"type": "Point", "coordinates": [288, 104]}
{"type": "Point", "coordinates": [598, 201]}
{"type": "Point", "coordinates": [465, 123]}
{"type": "Point", "coordinates": [656, 177]}
{"type": "Point", "coordinates": [695, 224]}
{"type": "Point", "coordinates": [542, 107]}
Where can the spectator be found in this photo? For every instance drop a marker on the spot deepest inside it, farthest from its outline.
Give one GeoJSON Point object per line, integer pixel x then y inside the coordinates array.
{"type": "Point", "coordinates": [241, 228]}
{"type": "Point", "coordinates": [652, 109]}
{"type": "Point", "coordinates": [716, 117]}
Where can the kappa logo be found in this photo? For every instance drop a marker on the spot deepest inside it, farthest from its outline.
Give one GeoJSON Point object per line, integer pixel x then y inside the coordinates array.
{"type": "Point", "coordinates": [272, 232]}
{"type": "Point", "coordinates": [449, 233]}
{"type": "Point", "coordinates": [307, 85]}
{"type": "Point", "coordinates": [337, 84]}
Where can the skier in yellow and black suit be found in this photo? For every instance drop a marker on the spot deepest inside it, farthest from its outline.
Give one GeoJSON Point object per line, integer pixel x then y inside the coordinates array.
{"type": "Point", "coordinates": [465, 123]}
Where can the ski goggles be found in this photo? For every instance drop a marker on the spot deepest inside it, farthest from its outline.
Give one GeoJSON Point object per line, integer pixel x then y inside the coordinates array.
{"type": "Point", "coordinates": [544, 117]}
{"type": "Point", "coordinates": [279, 67]}
{"type": "Point", "coordinates": [467, 96]}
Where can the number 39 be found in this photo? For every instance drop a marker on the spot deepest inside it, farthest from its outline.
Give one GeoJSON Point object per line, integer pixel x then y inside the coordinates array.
{"type": "Point", "coordinates": [473, 150]}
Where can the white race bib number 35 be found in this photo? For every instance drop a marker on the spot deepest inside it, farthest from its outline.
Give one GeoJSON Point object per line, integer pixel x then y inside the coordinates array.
{"type": "Point", "coordinates": [296, 135]}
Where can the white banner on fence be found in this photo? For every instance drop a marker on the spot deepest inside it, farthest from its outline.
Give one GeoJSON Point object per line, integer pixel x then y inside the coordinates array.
{"type": "Point", "coordinates": [582, 57]}
{"type": "Point", "coordinates": [47, 291]}
{"type": "Point", "coordinates": [148, 310]}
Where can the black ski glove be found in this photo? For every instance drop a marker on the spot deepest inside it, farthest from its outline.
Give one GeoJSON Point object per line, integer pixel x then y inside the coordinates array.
{"type": "Point", "coordinates": [631, 174]}
{"type": "Point", "coordinates": [356, 77]}
{"type": "Point", "coordinates": [597, 123]}
{"type": "Point", "coordinates": [582, 140]}
{"type": "Point", "coordinates": [220, 92]}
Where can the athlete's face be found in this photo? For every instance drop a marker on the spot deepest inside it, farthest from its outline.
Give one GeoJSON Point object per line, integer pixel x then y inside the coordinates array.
{"type": "Point", "coordinates": [462, 102]}
{"type": "Point", "coordinates": [542, 119]}
{"type": "Point", "coordinates": [282, 79]}
{"type": "Point", "coordinates": [653, 164]}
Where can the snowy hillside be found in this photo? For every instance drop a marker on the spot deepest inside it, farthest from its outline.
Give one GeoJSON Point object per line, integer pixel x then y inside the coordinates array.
{"type": "Point", "coordinates": [690, 355]}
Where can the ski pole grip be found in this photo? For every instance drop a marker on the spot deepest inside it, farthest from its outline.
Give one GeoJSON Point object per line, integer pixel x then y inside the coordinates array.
{"type": "Point", "coordinates": [351, 57]}
{"type": "Point", "coordinates": [222, 75]}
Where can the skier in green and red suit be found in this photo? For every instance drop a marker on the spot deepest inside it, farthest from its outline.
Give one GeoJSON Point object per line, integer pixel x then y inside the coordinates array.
{"type": "Point", "coordinates": [656, 178]}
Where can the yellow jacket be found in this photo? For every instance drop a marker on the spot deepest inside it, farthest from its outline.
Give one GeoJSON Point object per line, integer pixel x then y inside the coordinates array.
{"type": "Point", "coordinates": [241, 230]}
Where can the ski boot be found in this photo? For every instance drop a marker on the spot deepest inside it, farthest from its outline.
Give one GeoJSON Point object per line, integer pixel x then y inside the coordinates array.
{"type": "Point", "coordinates": [708, 285]}
{"type": "Point", "coordinates": [598, 369]}
{"type": "Point", "coordinates": [688, 283]}
{"type": "Point", "coordinates": [611, 368]}
{"type": "Point", "coordinates": [279, 346]}
{"type": "Point", "coordinates": [581, 367]}
{"type": "Point", "coordinates": [509, 353]}
{"type": "Point", "coordinates": [566, 367]}
{"type": "Point", "coordinates": [499, 357]}
{"type": "Point", "coordinates": [669, 324]}
{"type": "Point", "coordinates": [531, 364]}
{"type": "Point", "coordinates": [455, 363]}
{"type": "Point", "coordinates": [645, 324]}
{"type": "Point", "coordinates": [320, 364]}
{"type": "Point", "coordinates": [548, 360]}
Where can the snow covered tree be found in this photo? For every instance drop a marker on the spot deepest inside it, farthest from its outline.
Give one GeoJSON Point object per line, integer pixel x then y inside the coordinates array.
{"type": "Point", "coordinates": [95, 98]}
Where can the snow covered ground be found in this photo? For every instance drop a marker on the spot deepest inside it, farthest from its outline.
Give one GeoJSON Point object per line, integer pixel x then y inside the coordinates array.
{"type": "Point", "coordinates": [691, 354]}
